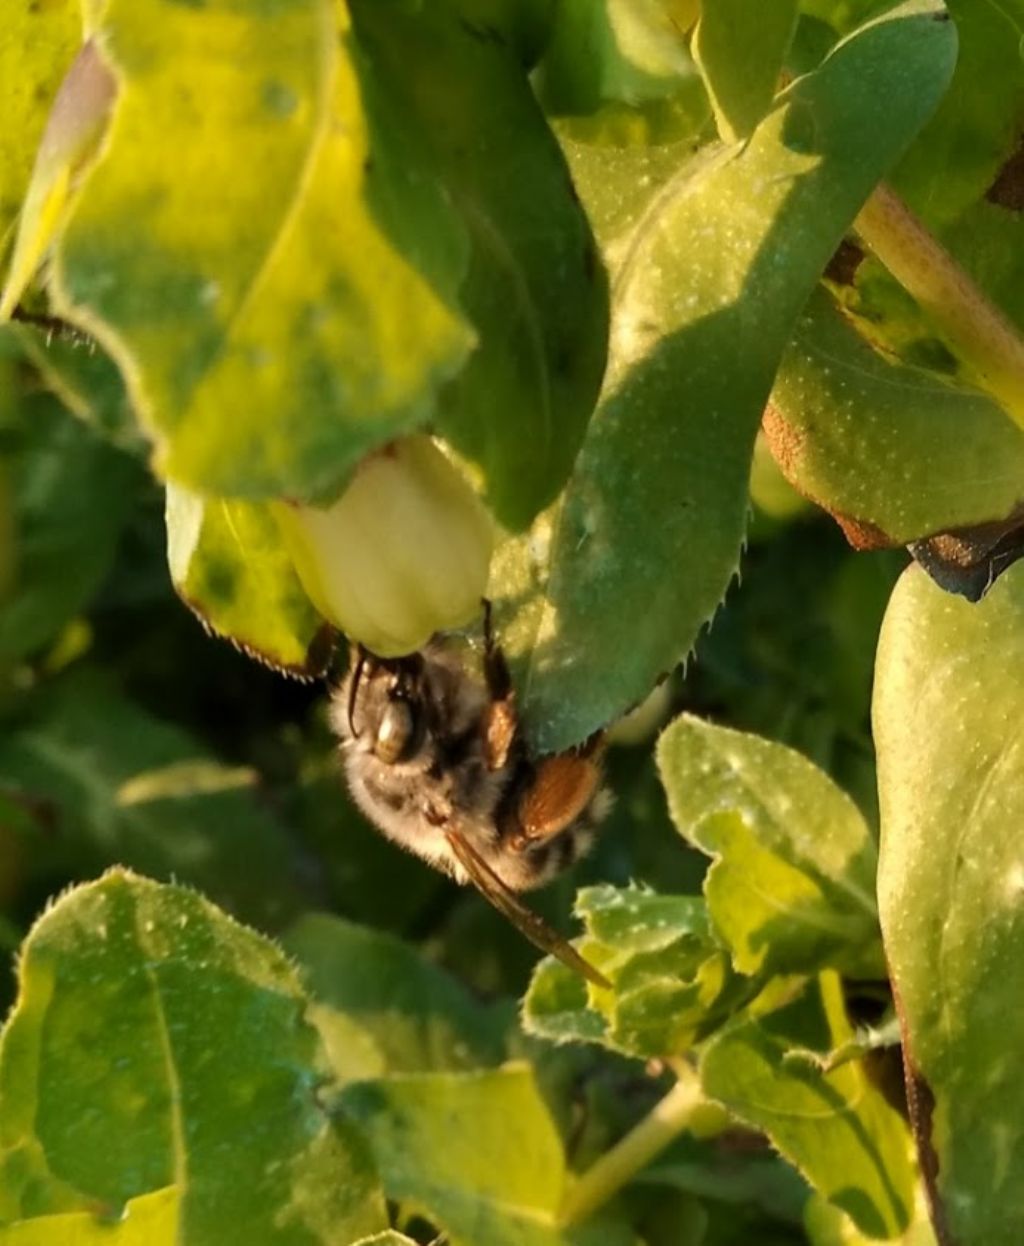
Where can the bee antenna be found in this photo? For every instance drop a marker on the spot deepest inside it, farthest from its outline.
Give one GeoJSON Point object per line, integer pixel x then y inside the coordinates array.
{"type": "Point", "coordinates": [353, 690]}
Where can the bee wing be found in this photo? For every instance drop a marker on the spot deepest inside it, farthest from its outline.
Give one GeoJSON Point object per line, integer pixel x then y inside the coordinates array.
{"type": "Point", "coordinates": [524, 919]}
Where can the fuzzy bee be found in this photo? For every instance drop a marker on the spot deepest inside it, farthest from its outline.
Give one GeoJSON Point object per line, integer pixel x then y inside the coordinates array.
{"type": "Point", "coordinates": [435, 758]}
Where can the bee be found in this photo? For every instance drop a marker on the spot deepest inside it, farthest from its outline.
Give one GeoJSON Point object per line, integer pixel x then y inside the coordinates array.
{"type": "Point", "coordinates": [435, 757]}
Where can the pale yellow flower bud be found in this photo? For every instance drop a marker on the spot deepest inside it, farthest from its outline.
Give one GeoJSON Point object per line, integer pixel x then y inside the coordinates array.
{"type": "Point", "coordinates": [403, 553]}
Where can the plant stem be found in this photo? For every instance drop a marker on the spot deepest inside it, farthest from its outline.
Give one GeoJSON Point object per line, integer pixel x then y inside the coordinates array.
{"type": "Point", "coordinates": [978, 331]}
{"type": "Point", "coordinates": [618, 1166]}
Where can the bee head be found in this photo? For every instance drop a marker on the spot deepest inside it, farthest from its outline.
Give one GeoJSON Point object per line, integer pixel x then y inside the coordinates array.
{"type": "Point", "coordinates": [382, 707]}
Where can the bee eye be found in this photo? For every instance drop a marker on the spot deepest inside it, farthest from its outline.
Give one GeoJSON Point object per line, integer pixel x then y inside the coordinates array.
{"type": "Point", "coordinates": [395, 731]}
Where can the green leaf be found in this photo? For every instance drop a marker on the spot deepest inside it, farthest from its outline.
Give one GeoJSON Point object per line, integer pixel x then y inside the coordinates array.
{"type": "Point", "coordinates": [383, 1009]}
{"type": "Point", "coordinates": [719, 268]}
{"type": "Point", "coordinates": [836, 1127]}
{"type": "Point", "coordinates": [477, 1154]}
{"type": "Point", "coordinates": [892, 451]}
{"type": "Point", "coordinates": [70, 497]}
{"type": "Point", "coordinates": [535, 290]}
{"type": "Point", "coordinates": [740, 51]}
{"type": "Point", "coordinates": [149, 1220]}
{"type": "Point", "coordinates": [281, 296]}
{"type": "Point", "coordinates": [37, 43]}
{"type": "Point", "coordinates": [230, 565]}
{"type": "Point", "coordinates": [86, 381]}
{"type": "Point", "coordinates": [947, 711]}
{"type": "Point", "coordinates": [602, 51]}
{"type": "Point", "coordinates": [828, 1226]}
{"type": "Point", "coordinates": [802, 676]}
{"type": "Point", "coordinates": [156, 1044]}
{"type": "Point", "coordinates": [670, 981]}
{"type": "Point", "coordinates": [754, 1180]}
{"type": "Point", "coordinates": [792, 886]}
{"type": "Point", "coordinates": [121, 786]}
{"type": "Point", "coordinates": [977, 126]}
{"type": "Point", "coordinates": [616, 183]}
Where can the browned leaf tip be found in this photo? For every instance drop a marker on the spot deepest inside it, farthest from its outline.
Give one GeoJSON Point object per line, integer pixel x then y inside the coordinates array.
{"type": "Point", "coordinates": [319, 651]}
{"type": "Point", "coordinates": [968, 561]}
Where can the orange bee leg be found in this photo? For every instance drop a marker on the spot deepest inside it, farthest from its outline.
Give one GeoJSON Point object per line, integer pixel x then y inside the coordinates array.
{"type": "Point", "coordinates": [560, 791]}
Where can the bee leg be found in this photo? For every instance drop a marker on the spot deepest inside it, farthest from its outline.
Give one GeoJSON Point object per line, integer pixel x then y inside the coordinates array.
{"type": "Point", "coordinates": [499, 681]}
{"type": "Point", "coordinates": [502, 721]}
{"type": "Point", "coordinates": [359, 659]}
{"type": "Point", "coordinates": [561, 790]}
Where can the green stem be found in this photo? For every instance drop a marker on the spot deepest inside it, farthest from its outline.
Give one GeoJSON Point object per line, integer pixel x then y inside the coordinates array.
{"type": "Point", "coordinates": [977, 331]}
{"type": "Point", "coordinates": [618, 1166]}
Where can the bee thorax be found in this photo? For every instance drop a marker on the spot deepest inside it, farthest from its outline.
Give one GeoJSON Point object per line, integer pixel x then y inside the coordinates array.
{"type": "Point", "coordinates": [431, 754]}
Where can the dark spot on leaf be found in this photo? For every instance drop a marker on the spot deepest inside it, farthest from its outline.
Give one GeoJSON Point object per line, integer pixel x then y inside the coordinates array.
{"type": "Point", "coordinates": [221, 581]}
{"type": "Point", "coordinates": [482, 32]}
{"type": "Point", "coordinates": [279, 99]}
{"type": "Point", "coordinates": [1008, 189]}
{"type": "Point", "coordinates": [846, 259]}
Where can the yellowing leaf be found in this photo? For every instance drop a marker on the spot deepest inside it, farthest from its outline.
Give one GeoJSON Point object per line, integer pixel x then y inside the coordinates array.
{"type": "Point", "coordinates": [278, 291]}
{"type": "Point", "coordinates": [671, 982]}
{"type": "Point", "coordinates": [229, 564]}
{"type": "Point", "coordinates": [37, 43]}
{"type": "Point", "coordinates": [149, 1220]}
{"type": "Point", "coordinates": [72, 132]}
{"type": "Point", "coordinates": [477, 1153]}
